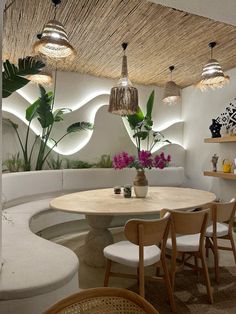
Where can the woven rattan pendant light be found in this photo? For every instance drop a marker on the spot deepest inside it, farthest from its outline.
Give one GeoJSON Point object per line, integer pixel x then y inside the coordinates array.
{"type": "Point", "coordinates": [212, 75]}
{"type": "Point", "coordinates": [171, 91]}
{"type": "Point", "coordinates": [124, 97]}
{"type": "Point", "coordinates": [53, 42]}
{"type": "Point", "coordinates": [43, 78]}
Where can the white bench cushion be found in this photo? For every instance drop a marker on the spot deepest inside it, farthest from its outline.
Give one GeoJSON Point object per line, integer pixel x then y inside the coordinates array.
{"type": "Point", "coordinates": [127, 253]}
{"type": "Point", "coordinates": [222, 230]}
{"type": "Point", "coordinates": [185, 243]}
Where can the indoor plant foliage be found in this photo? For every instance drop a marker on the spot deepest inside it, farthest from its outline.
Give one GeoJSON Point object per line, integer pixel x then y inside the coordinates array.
{"type": "Point", "coordinates": [42, 110]}
{"type": "Point", "coordinates": [145, 136]}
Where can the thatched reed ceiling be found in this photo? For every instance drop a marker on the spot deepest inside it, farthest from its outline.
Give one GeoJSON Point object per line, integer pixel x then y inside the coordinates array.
{"type": "Point", "coordinates": [158, 37]}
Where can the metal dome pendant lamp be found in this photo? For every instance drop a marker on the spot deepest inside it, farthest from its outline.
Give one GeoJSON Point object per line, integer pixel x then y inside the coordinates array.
{"type": "Point", "coordinates": [171, 91]}
{"type": "Point", "coordinates": [124, 97]}
{"type": "Point", "coordinates": [54, 42]}
{"type": "Point", "coordinates": [213, 76]}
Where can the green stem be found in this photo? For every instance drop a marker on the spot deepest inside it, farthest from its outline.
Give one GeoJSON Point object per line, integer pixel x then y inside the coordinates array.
{"type": "Point", "coordinates": [32, 148]}
{"type": "Point", "coordinates": [44, 159]}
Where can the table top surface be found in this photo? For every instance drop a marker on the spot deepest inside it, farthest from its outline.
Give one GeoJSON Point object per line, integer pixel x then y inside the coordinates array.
{"type": "Point", "coordinates": [105, 202]}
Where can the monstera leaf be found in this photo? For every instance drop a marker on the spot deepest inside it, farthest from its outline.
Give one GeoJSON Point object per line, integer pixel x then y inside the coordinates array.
{"type": "Point", "coordinates": [13, 76]}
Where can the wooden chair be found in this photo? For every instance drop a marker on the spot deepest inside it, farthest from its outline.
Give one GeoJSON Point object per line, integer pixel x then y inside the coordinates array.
{"type": "Point", "coordinates": [188, 239]}
{"type": "Point", "coordinates": [221, 227]}
{"type": "Point", "coordinates": [103, 301]}
{"type": "Point", "coordinates": [140, 251]}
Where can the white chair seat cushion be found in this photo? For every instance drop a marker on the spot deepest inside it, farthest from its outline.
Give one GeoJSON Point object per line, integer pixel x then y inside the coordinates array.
{"type": "Point", "coordinates": [127, 253]}
{"type": "Point", "coordinates": [185, 243]}
{"type": "Point", "coordinates": [222, 229]}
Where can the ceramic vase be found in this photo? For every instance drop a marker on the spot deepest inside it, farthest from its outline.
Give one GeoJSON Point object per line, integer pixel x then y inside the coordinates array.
{"type": "Point", "coordinates": [140, 184]}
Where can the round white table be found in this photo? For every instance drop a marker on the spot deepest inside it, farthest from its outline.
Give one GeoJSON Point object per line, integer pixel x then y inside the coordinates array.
{"type": "Point", "coordinates": [101, 205]}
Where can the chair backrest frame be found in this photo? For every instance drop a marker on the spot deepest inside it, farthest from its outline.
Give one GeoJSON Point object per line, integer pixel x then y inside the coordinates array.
{"type": "Point", "coordinates": [90, 294]}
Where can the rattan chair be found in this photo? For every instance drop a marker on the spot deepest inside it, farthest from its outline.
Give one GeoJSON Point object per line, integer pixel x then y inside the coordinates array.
{"type": "Point", "coordinates": [103, 301]}
{"type": "Point", "coordinates": [221, 227]}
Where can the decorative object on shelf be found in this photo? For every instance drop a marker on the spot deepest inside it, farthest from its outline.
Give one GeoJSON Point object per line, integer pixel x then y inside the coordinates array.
{"type": "Point", "coordinates": [214, 161]}
{"type": "Point", "coordinates": [235, 166]}
{"type": "Point", "coordinates": [53, 42]}
{"type": "Point", "coordinates": [172, 90]}
{"type": "Point", "coordinates": [227, 165]}
{"type": "Point", "coordinates": [127, 191]}
{"type": "Point", "coordinates": [228, 119]}
{"type": "Point", "coordinates": [213, 76]}
{"type": "Point", "coordinates": [124, 97]}
{"type": "Point", "coordinates": [215, 128]}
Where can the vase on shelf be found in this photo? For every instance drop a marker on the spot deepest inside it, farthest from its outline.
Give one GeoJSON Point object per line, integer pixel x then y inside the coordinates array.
{"type": "Point", "coordinates": [140, 184]}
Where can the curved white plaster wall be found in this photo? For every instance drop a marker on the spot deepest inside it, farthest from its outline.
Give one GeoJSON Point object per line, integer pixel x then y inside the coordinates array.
{"type": "Point", "coordinates": [88, 97]}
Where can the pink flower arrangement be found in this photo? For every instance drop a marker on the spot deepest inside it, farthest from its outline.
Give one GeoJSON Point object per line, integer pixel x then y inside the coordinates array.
{"type": "Point", "coordinates": [145, 160]}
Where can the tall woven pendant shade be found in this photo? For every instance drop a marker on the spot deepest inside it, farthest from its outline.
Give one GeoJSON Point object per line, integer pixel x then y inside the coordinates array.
{"type": "Point", "coordinates": [124, 97]}
{"type": "Point", "coordinates": [54, 42]}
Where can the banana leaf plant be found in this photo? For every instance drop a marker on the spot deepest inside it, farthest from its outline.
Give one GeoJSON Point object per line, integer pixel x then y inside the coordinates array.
{"type": "Point", "coordinates": [14, 77]}
{"type": "Point", "coordinates": [42, 109]}
{"type": "Point", "coordinates": [141, 125]}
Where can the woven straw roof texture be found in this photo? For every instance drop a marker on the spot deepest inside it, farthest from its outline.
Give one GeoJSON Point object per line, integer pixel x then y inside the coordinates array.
{"type": "Point", "coordinates": [158, 37]}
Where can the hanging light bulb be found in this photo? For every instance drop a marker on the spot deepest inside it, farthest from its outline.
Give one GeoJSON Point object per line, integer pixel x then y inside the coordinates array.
{"type": "Point", "coordinates": [124, 97]}
{"type": "Point", "coordinates": [54, 42]}
{"type": "Point", "coordinates": [171, 91]}
{"type": "Point", "coordinates": [212, 75]}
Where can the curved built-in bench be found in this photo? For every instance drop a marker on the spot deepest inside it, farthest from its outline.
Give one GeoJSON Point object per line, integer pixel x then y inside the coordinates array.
{"type": "Point", "coordinates": [36, 272]}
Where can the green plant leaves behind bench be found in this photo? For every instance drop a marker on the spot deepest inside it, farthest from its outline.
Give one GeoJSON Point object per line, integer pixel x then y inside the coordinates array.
{"type": "Point", "coordinates": [79, 126]}
{"type": "Point", "coordinates": [13, 76]}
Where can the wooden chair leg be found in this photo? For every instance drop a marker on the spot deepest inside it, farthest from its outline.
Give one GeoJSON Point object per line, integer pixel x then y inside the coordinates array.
{"type": "Point", "coordinates": [168, 284]}
{"type": "Point", "coordinates": [173, 270]}
{"type": "Point", "coordinates": [206, 276]}
{"type": "Point", "coordinates": [107, 272]}
{"type": "Point", "coordinates": [141, 281]}
{"type": "Point", "coordinates": [196, 265]}
{"type": "Point", "coordinates": [233, 245]}
{"type": "Point", "coordinates": [207, 247]}
{"type": "Point", "coordinates": [216, 259]}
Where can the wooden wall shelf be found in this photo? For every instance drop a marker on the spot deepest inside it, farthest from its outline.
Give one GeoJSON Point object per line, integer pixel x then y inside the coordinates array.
{"type": "Point", "coordinates": [220, 174]}
{"type": "Point", "coordinates": [224, 139]}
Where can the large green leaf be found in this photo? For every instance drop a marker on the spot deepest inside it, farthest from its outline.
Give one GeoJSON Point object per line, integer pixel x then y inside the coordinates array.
{"type": "Point", "coordinates": [31, 111]}
{"type": "Point", "coordinates": [12, 75]}
{"type": "Point", "coordinates": [135, 119]}
{"type": "Point", "coordinates": [141, 135]}
{"type": "Point", "coordinates": [44, 109]}
{"type": "Point", "coordinates": [59, 114]}
{"type": "Point", "coordinates": [150, 105]}
{"type": "Point", "coordinates": [79, 126]}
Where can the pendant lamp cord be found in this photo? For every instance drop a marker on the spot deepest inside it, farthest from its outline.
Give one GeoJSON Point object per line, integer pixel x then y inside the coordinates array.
{"type": "Point", "coordinates": [55, 3]}
{"type": "Point", "coordinates": [171, 68]}
{"type": "Point", "coordinates": [55, 84]}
